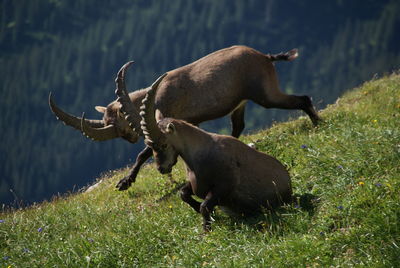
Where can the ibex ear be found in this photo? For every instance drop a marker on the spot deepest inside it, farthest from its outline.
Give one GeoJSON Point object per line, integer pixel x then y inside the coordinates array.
{"type": "Point", "coordinates": [170, 128]}
{"type": "Point", "coordinates": [159, 116]}
{"type": "Point", "coordinates": [100, 109]}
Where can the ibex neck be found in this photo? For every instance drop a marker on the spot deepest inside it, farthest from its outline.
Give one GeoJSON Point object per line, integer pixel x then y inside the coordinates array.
{"type": "Point", "coordinates": [193, 143]}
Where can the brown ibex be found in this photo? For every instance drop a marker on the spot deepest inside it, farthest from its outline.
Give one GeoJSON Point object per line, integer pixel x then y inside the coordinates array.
{"type": "Point", "coordinates": [211, 87]}
{"type": "Point", "coordinates": [220, 169]}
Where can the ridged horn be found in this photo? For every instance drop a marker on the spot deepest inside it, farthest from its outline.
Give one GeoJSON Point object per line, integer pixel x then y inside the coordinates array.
{"type": "Point", "coordinates": [98, 134]}
{"type": "Point", "coordinates": [127, 107]}
{"type": "Point", "coordinates": [152, 133]}
{"type": "Point", "coordinates": [71, 120]}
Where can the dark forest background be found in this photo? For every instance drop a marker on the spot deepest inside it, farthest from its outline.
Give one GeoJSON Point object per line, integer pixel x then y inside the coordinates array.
{"type": "Point", "coordinates": [74, 49]}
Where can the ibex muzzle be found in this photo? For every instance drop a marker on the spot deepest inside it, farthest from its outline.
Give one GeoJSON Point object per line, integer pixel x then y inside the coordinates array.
{"type": "Point", "coordinates": [220, 169]}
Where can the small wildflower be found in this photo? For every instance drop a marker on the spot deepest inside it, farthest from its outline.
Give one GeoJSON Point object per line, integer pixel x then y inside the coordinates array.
{"type": "Point", "coordinates": [378, 184]}
{"type": "Point", "coordinates": [26, 250]}
{"type": "Point", "coordinates": [361, 183]}
{"type": "Point", "coordinates": [1, 221]}
{"type": "Point", "coordinates": [6, 258]}
{"type": "Point", "coordinates": [90, 240]}
{"type": "Point", "coordinates": [40, 229]}
{"type": "Point", "coordinates": [340, 207]}
{"type": "Point", "coordinates": [170, 206]}
{"type": "Point", "coordinates": [303, 146]}
{"type": "Point", "coordinates": [340, 167]}
{"type": "Point", "coordinates": [297, 206]}
{"type": "Point", "coordinates": [374, 121]}
{"type": "Point", "coordinates": [321, 233]}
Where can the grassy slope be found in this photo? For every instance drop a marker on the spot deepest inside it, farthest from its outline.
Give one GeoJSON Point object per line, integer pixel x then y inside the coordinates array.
{"type": "Point", "coordinates": [345, 174]}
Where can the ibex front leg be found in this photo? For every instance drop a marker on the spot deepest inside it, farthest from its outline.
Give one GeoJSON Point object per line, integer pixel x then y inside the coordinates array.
{"type": "Point", "coordinates": [186, 196]}
{"type": "Point", "coordinates": [206, 208]}
{"type": "Point", "coordinates": [142, 157]}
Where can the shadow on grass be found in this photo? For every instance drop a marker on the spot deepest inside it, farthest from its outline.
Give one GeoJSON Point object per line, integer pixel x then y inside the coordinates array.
{"type": "Point", "coordinates": [306, 202]}
{"type": "Point", "coordinates": [281, 219]}
{"type": "Point", "coordinates": [274, 221]}
{"type": "Point", "coordinates": [167, 189]}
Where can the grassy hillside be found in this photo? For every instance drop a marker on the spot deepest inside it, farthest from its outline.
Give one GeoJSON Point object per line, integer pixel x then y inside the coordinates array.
{"type": "Point", "coordinates": [346, 177]}
{"type": "Point", "coordinates": [74, 49]}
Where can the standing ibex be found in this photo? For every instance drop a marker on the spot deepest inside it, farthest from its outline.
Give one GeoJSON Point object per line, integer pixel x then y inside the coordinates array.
{"type": "Point", "coordinates": [220, 169]}
{"type": "Point", "coordinates": [209, 88]}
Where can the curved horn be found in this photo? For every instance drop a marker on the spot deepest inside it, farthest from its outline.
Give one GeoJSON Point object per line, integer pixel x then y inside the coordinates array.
{"type": "Point", "coordinates": [71, 120]}
{"type": "Point", "coordinates": [127, 108]}
{"type": "Point", "coordinates": [98, 134]}
{"type": "Point", "coordinates": [148, 124]}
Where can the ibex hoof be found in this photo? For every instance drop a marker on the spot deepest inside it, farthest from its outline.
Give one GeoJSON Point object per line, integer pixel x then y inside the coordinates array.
{"type": "Point", "coordinates": [316, 121]}
{"type": "Point", "coordinates": [206, 228]}
{"type": "Point", "coordinates": [124, 184]}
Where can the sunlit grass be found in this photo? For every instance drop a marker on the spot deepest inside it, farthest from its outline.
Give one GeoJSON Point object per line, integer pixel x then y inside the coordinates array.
{"type": "Point", "coordinates": [346, 179]}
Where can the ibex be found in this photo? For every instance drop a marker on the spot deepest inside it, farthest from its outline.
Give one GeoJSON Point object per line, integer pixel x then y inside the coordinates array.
{"type": "Point", "coordinates": [220, 169]}
{"type": "Point", "coordinates": [211, 87]}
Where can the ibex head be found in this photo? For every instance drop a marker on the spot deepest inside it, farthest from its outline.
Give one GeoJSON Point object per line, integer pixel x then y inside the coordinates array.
{"type": "Point", "coordinates": [113, 125]}
{"type": "Point", "coordinates": [158, 131]}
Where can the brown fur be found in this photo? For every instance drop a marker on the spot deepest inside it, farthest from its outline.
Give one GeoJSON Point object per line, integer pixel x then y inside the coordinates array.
{"type": "Point", "coordinates": [218, 84]}
{"type": "Point", "coordinates": [222, 170]}
{"type": "Point", "coordinates": [211, 87]}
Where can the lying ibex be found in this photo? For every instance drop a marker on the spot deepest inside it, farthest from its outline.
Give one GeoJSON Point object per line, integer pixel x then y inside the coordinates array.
{"type": "Point", "coordinates": [209, 88]}
{"type": "Point", "coordinates": [220, 169]}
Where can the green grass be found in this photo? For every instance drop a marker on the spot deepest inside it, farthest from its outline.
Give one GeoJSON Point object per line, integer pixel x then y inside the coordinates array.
{"type": "Point", "coordinates": [345, 174]}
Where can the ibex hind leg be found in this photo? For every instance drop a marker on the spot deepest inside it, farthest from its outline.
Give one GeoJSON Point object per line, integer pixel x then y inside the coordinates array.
{"type": "Point", "coordinates": [289, 102]}
{"type": "Point", "coordinates": [310, 110]}
{"type": "Point", "coordinates": [237, 119]}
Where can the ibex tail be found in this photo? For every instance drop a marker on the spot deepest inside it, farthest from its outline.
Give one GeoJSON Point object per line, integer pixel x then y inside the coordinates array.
{"type": "Point", "coordinates": [288, 56]}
